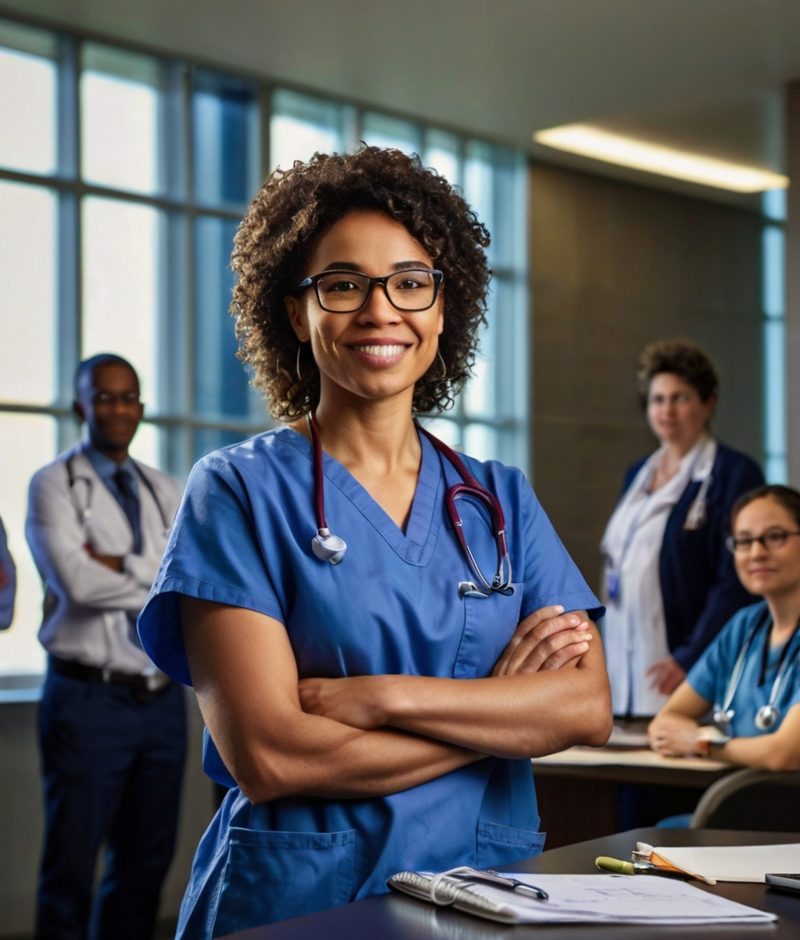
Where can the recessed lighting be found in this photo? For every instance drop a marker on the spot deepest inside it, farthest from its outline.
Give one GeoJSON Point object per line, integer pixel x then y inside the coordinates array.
{"type": "Point", "coordinates": [591, 142]}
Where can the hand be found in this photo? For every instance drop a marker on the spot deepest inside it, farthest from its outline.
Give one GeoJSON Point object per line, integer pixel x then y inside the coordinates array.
{"type": "Point", "coordinates": [352, 701]}
{"type": "Point", "coordinates": [666, 675]}
{"type": "Point", "coordinates": [675, 740]}
{"type": "Point", "coordinates": [546, 639]}
{"type": "Point", "coordinates": [114, 562]}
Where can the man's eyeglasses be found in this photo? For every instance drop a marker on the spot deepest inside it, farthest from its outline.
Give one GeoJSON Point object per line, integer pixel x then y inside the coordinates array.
{"type": "Point", "coordinates": [112, 398]}
{"type": "Point", "coordinates": [410, 291]}
{"type": "Point", "coordinates": [772, 538]}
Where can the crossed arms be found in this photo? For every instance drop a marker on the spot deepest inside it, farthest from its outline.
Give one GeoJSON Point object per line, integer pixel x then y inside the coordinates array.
{"type": "Point", "coordinates": [373, 735]}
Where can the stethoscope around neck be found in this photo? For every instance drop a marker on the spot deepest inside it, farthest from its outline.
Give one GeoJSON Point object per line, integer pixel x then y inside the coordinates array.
{"type": "Point", "coordinates": [331, 548]}
{"type": "Point", "coordinates": [767, 715]}
{"type": "Point", "coordinates": [84, 511]}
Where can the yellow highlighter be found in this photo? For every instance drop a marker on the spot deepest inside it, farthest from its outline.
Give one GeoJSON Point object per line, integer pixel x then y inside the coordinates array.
{"type": "Point", "coordinates": [620, 867]}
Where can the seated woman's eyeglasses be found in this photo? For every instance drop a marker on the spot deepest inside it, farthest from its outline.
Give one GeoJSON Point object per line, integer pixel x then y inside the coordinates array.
{"type": "Point", "coordinates": [410, 290]}
{"type": "Point", "coordinates": [772, 538]}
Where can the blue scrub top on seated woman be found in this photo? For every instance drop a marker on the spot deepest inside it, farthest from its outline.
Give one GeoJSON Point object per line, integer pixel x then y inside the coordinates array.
{"type": "Point", "coordinates": [711, 674]}
{"type": "Point", "coordinates": [243, 537]}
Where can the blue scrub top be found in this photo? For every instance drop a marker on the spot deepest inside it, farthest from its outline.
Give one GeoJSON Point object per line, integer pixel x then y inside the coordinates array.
{"type": "Point", "coordinates": [242, 537]}
{"type": "Point", "coordinates": [711, 674]}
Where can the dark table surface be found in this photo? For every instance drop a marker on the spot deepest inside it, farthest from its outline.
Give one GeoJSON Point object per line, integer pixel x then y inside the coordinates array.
{"type": "Point", "coordinates": [396, 917]}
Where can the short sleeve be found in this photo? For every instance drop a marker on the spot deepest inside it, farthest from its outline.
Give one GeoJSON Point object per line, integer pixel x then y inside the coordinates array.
{"type": "Point", "coordinates": [215, 554]}
{"type": "Point", "coordinates": [710, 674]}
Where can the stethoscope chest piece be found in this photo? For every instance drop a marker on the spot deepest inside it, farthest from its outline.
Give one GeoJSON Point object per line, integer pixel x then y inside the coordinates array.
{"type": "Point", "coordinates": [766, 717]}
{"type": "Point", "coordinates": [328, 547]}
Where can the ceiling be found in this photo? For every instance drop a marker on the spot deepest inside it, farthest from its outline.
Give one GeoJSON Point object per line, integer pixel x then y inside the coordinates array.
{"type": "Point", "coordinates": [703, 75]}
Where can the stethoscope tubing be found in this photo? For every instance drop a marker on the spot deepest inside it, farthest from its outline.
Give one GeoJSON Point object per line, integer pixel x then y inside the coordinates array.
{"type": "Point", "coordinates": [724, 714]}
{"type": "Point", "coordinates": [85, 512]}
{"type": "Point", "coordinates": [469, 487]}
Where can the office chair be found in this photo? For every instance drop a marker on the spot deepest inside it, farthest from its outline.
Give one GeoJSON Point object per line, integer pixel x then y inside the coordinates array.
{"type": "Point", "coordinates": [751, 799]}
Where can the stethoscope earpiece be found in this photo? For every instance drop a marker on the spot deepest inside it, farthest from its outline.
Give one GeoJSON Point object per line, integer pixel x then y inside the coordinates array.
{"type": "Point", "coordinates": [328, 547]}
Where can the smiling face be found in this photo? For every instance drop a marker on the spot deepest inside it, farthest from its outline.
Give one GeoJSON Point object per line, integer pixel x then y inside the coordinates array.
{"type": "Point", "coordinates": [774, 571]}
{"type": "Point", "coordinates": [108, 401]}
{"type": "Point", "coordinates": [676, 413]}
{"type": "Point", "coordinates": [378, 352]}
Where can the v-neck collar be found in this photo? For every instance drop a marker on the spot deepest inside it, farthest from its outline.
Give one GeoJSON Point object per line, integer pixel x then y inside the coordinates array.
{"type": "Point", "coordinates": [416, 544]}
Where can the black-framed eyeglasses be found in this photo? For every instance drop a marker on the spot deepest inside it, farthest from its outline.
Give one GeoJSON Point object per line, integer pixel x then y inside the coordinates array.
{"type": "Point", "coordinates": [112, 398]}
{"type": "Point", "coordinates": [772, 538]}
{"type": "Point", "coordinates": [411, 290]}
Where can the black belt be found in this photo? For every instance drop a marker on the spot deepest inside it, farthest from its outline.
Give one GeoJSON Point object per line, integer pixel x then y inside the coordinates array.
{"type": "Point", "coordinates": [144, 687]}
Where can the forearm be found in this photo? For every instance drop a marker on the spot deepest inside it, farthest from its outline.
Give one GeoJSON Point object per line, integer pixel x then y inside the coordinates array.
{"type": "Point", "coordinates": [506, 716]}
{"type": "Point", "coordinates": [766, 751]}
{"type": "Point", "coordinates": [319, 757]}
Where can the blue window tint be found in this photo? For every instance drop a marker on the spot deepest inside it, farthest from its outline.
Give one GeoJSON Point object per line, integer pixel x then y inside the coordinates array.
{"type": "Point", "coordinates": [225, 139]}
{"type": "Point", "coordinates": [220, 382]}
{"type": "Point", "coordinates": [301, 126]}
{"type": "Point", "coordinates": [381, 130]}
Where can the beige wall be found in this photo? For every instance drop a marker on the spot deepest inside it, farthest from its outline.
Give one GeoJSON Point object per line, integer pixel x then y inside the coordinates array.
{"type": "Point", "coordinates": [615, 266]}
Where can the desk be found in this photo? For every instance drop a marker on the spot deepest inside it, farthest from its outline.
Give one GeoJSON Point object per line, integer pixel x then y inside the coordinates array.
{"type": "Point", "coordinates": [394, 917]}
{"type": "Point", "coordinates": [586, 780]}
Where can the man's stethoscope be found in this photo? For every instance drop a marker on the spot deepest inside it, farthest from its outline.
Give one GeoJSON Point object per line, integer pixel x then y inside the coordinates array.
{"type": "Point", "coordinates": [768, 715]}
{"type": "Point", "coordinates": [331, 548]}
{"type": "Point", "coordinates": [84, 511]}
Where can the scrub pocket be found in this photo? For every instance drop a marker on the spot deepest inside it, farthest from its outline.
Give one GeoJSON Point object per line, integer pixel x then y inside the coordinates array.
{"type": "Point", "coordinates": [501, 845]}
{"type": "Point", "coordinates": [271, 876]}
{"type": "Point", "coordinates": [489, 623]}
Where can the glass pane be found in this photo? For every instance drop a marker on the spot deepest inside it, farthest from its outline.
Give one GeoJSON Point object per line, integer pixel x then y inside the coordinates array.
{"type": "Point", "coordinates": [380, 130]}
{"type": "Point", "coordinates": [225, 137]}
{"type": "Point", "coordinates": [120, 119]}
{"type": "Point", "coordinates": [442, 153]}
{"type": "Point", "coordinates": [28, 102]}
{"type": "Point", "coordinates": [146, 445]}
{"type": "Point", "coordinates": [27, 275]}
{"type": "Point", "coordinates": [447, 431]}
{"type": "Point", "coordinates": [479, 184]}
{"type": "Point", "coordinates": [31, 439]}
{"type": "Point", "coordinates": [776, 470]}
{"type": "Point", "coordinates": [221, 386]}
{"type": "Point", "coordinates": [479, 393]}
{"type": "Point", "coordinates": [480, 441]}
{"type": "Point", "coordinates": [773, 248]}
{"type": "Point", "coordinates": [121, 286]}
{"type": "Point", "coordinates": [775, 387]}
{"type": "Point", "coordinates": [301, 125]}
{"type": "Point", "coordinates": [208, 439]}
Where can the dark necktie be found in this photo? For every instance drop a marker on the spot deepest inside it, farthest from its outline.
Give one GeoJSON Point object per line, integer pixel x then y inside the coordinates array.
{"type": "Point", "coordinates": [127, 498]}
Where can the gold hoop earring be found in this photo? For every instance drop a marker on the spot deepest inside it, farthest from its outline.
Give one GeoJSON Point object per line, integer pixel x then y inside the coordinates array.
{"type": "Point", "coordinates": [297, 364]}
{"type": "Point", "coordinates": [443, 376]}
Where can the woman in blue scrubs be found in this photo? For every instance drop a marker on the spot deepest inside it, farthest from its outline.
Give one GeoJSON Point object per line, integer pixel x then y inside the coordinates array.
{"type": "Point", "coordinates": [372, 707]}
{"type": "Point", "coordinates": [749, 678]}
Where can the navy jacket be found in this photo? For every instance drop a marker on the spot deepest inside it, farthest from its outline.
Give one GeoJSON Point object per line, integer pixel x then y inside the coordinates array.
{"type": "Point", "coordinates": [699, 586]}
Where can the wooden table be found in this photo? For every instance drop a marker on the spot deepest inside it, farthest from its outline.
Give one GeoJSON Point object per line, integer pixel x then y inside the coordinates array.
{"type": "Point", "coordinates": [396, 917]}
{"type": "Point", "coordinates": [585, 781]}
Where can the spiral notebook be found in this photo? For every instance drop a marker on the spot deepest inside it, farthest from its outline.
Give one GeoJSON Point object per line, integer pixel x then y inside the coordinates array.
{"type": "Point", "coordinates": [578, 899]}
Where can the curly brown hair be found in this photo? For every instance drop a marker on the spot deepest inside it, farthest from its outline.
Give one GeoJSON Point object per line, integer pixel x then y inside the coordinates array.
{"type": "Point", "coordinates": [679, 357]}
{"type": "Point", "coordinates": [274, 238]}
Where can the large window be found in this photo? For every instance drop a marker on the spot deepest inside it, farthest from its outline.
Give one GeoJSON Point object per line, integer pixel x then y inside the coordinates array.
{"type": "Point", "coordinates": [120, 191]}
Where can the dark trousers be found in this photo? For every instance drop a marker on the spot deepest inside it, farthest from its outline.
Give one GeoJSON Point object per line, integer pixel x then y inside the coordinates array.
{"type": "Point", "coordinates": [112, 768]}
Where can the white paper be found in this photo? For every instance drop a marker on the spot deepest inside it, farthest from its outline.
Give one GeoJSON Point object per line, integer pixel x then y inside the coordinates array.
{"type": "Point", "coordinates": [611, 899]}
{"type": "Point", "coordinates": [734, 862]}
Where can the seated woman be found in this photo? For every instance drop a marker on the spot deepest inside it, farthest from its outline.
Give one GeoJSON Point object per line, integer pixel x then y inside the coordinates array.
{"type": "Point", "coordinates": [749, 678]}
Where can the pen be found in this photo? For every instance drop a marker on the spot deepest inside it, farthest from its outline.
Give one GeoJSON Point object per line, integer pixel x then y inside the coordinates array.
{"type": "Point", "coordinates": [498, 878]}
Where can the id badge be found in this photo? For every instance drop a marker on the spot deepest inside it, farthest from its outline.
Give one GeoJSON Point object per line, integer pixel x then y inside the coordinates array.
{"type": "Point", "coordinates": [613, 585]}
